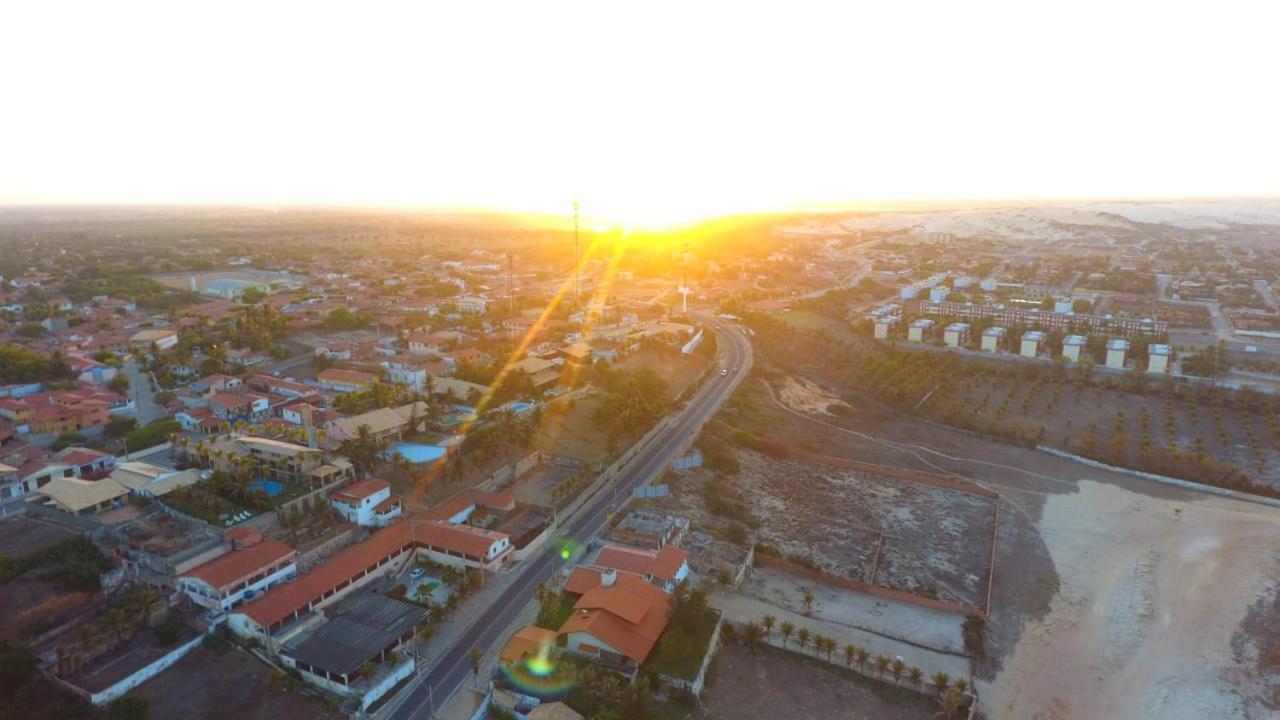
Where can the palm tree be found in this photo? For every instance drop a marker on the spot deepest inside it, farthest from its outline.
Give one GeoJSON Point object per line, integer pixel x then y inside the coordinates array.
{"type": "Point", "coordinates": [787, 629]}
{"type": "Point", "coordinates": [917, 676]}
{"type": "Point", "coordinates": [882, 664]}
{"type": "Point", "coordinates": [863, 656]}
{"type": "Point", "coordinates": [961, 684]}
{"type": "Point", "coordinates": [828, 646]}
{"type": "Point", "coordinates": [941, 680]}
{"type": "Point", "coordinates": [117, 622]}
{"type": "Point", "coordinates": [146, 600]}
{"type": "Point", "coordinates": [751, 634]}
{"type": "Point", "coordinates": [807, 597]}
{"type": "Point", "coordinates": [951, 702]}
{"type": "Point", "coordinates": [849, 653]}
{"type": "Point", "coordinates": [768, 622]}
{"type": "Point", "coordinates": [898, 668]}
{"type": "Point", "coordinates": [475, 655]}
{"type": "Point", "coordinates": [803, 636]}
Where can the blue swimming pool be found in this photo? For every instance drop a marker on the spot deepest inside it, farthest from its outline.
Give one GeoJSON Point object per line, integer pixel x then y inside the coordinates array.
{"type": "Point", "coordinates": [270, 487]}
{"type": "Point", "coordinates": [416, 453]}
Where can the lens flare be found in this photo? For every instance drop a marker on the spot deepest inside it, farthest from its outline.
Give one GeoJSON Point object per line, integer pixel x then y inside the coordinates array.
{"type": "Point", "coordinates": [566, 546]}
{"type": "Point", "coordinates": [541, 676]}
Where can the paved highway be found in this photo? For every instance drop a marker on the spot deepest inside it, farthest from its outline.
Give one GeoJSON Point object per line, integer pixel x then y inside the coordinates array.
{"type": "Point", "coordinates": [448, 674]}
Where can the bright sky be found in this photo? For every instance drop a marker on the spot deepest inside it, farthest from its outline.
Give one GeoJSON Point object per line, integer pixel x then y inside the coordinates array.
{"type": "Point", "coordinates": [646, 111]}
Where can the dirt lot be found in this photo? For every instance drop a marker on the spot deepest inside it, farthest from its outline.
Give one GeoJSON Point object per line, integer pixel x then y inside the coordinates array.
{"type": "Point", "coordinates": [233, 685]}
{"type": "Point", "coordinates": [1094, 570]}
{"type": "Point", "coordinates": [809, 321]}
{"type": "Point", "coordinates": [535, 487]}
{"type": "Point", "coordinates": [22, 536]}
{"type": "Point", "coordinates": [676, 369]}
{"type": "Point", "coordinates": [569, 428]}
{"type": "Point", "coordinates": [776, 684]}
{"type": "Point", "coordinates": [930, 541]}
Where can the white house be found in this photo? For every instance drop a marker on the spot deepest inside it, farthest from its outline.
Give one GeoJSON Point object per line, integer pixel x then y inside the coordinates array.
{"type": "Point", "coordinates": [920, 330]}
{"type": "Point", "coordinates": [240, 575]}
{"type": "Point", "coordinates": [368, 503]}
{"type": "Point", "coordinates": [1116, 350]}
{"type": "Point", "coordinates": [993, 339]}
{"type": "Point", "coordinates": [956, 334]}
{"type": "Point", "coordinates": [411, 376]}
{"type": "Point", "coordinates": [884, 325]}
{"type": "Point", "coordinates": [1158, 358]}
{"type": "Point", "coordinates": [1072, 346]}
{"type": "Point", "coordinates": [1031, 340]}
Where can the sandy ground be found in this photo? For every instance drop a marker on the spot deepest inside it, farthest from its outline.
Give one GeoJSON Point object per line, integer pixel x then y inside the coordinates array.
{"type": "Point", "coordinates": [774, 684]}
{"type": "Point", "coordinates": [1151, 593]}
{"type": "Point", "coordinates": [884, 628]}
{"type": "Point", "coordinates": [936, 541]}
{"type": "Point", "coordinates": [1146, 601]}
{"type": "Point", "coordinates": [932, 628]}
{"type": "Point", "coordinates": [804, 396]}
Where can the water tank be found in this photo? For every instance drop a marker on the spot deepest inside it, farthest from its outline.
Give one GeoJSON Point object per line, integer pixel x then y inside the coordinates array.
{"type": "Point", "coordinates": [608, 578]}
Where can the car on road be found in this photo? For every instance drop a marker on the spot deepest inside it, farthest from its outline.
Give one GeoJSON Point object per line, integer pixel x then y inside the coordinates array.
{"type": "Point", "coordinates": [724, 371]}
{"type": "Point", "coordinates": [417, 573]}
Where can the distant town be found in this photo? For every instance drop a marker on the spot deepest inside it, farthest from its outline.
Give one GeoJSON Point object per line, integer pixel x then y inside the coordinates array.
{"type": "Point", "coordinates": [321, 464]}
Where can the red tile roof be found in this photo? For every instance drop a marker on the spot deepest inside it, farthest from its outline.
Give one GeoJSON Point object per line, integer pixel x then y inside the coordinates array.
{"type": "Point", "coordinates": [284, 600]}
{"type": "Point", "coordinates": [357, 491]}
{"type": "Point", "coordinates": [668, 562]}
{"type": "Point", "coordinates": [625, 559]}
{"type": "Point", "coordinates": [628, 616]}
{"type": "Point", "coordinates": [226, 569]}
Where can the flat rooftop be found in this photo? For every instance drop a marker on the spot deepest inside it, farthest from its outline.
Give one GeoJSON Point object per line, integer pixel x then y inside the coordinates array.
{"type": "Point", "coordinates": [358, 629]}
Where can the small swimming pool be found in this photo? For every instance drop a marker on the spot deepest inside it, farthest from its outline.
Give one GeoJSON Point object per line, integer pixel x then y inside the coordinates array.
{"type": "Point", "coordinates": [270, 487]}
{"type": "Point", "coordinates": [416, 453]}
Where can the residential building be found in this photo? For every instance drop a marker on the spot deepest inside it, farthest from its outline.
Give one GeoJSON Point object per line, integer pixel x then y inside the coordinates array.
{"type": "Point", "coordinates": [920, 330]}
{"type": "Point", "coordinates": [1117, 348]}
{"type": "Point", "coordinates": [82, 497]}
{"type": "Point", "coordinates": [368, 502]}
{"type": "Point", "coordinates": [885, 325]}
{"type": "Point", "coordinates": [956, 334]}
{"type": "Point", "coordinates": [143, 340]}
{"type": "Point", "coordinates": [345, 381]}
{"type": "Point", "coordinates": [993, 339]}
{"type": "Point", "coordinates": [239, 575]}
{"type": "Point", "coordinates": [277, 460]}
{"type": "Point", "coordinates": [665, 568]}
{"type": "Point", "coordinates": [362, 631]}
{"type": "Point", "coordinates": [1031, 341]}
{"type": "Point", "coordinates": [618, 622]}
{"type": "Point", "coordinates": [1072, 347]}
{"type": "Point", "coordinates": [1034, 317]}
{"type": "Point", "coordinates": [86, 463]}
{"type": "Point", "coordinates": [149, 480]}
{"type": "Point", "coordinates": [413, 377]}
{"type": "Point", "coordinates": [1158, 358]}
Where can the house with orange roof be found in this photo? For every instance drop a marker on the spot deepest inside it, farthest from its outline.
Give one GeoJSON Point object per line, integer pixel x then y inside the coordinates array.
{"type": "Point", "coordinates": [240, 575]}
{"type": "Point", "coordinates": [344, 381]}
{"type": "Point", "coordinates": [368, 502]}
{"type": "Point", "coordinates": [665, 568]}
{"type": "Point", "coordinates": [618, 622]}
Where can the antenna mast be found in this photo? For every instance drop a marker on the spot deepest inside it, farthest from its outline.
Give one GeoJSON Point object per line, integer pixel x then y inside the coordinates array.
{"type": "Point", "coordinates": [577, 253]}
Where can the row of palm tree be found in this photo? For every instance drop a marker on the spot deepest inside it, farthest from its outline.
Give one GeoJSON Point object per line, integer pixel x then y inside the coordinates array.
{"type": "Point", "coordinates": [755, 632]}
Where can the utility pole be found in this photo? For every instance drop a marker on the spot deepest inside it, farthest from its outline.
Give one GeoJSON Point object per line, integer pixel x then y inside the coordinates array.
{"type": "Point", "coordinates": [577, 253]}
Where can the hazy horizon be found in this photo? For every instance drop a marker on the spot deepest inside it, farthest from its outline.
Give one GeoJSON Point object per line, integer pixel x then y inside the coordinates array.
{"type": "Point", "coordinates": [647, 116]}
